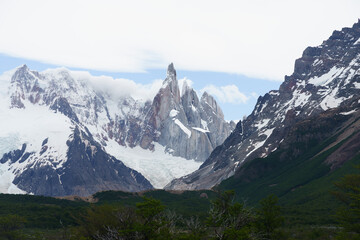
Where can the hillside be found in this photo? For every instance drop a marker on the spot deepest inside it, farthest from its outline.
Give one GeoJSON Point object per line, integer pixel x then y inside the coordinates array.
{"type": "Point", "coordinates": [316, 153]}
{"type": "Point", "coordinates": [325, 77]}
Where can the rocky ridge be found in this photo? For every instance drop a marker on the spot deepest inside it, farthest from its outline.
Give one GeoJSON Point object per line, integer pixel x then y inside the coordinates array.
{"type": "Point", "coordinates": [324, 77]}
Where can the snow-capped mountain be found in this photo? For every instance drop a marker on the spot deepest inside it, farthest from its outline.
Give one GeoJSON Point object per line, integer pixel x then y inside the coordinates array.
{"type": "Point", "coordinates": [186, 126]}
{"type": "Point", "coordinates": [61, 135]}
{"type": "Point", "coordinates": [324, 77]}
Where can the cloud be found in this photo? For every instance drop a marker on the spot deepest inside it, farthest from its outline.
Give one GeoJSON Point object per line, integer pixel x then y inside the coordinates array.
{"type": "Point", "coordinates": [254, 95]}
{"type": "Point", "coordinates": [226, 94]}
{"type": "Point", "coordinates": [257, 38]}
{"type": "Point", "coordinates": [120, 87]}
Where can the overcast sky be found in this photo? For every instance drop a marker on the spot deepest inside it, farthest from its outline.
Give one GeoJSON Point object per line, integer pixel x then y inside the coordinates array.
{"type": "Point", "coordinates": [243, 41]}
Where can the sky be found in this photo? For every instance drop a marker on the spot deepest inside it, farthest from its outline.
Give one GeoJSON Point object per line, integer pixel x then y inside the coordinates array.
{"type": "Point", "coordinates": [235, 50]}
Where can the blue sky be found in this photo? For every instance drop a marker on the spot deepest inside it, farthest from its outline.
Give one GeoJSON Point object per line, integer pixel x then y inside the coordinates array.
{"type": "Point", "coordinates": [236, 49]}
{"type": "Point", "coordinates": [250, 87]}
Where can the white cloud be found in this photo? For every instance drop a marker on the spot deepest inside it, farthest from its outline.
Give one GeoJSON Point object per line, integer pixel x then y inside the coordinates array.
{"type": "Point", "coordinates": [120, 87]}
{"type": "Point", "coordinates": [226, 94]}
{"type": "Point", "coordinates": [254, 95]}
{"type": "Point", "coordinates": [257, 38]}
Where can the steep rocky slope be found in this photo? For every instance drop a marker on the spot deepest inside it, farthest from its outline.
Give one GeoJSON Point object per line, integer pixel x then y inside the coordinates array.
{"type": "Point", "coordinates": [316, 153]}
{"type": "Point", "coordinates": [324, 77]}
{"type": "Point", "coordinates": [186, 126]}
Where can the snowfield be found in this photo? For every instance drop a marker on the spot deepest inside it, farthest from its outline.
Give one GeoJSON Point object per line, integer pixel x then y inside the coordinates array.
{"type": "Point", "coordinates": [158, 166]}
{"type": "Point", "coordinates": [32, 126]}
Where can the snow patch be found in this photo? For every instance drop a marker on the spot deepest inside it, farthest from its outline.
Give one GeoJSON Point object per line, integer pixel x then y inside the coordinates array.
{"type": "Point", "coordinates": [357, 41]}
{"type": "Point", "coordinates": [173, 113]}
{"type": "Point", "coordinates": [204, 124]}
{"type": "Point", "coordinates": [183, 128]}
{"type": "Point", "coordinates": [201, 130]}
{"type": "Point", "coordinates": [331, 101]}
{"type": "Point", "coordinates": [326, 78]}
{"type": "Point", "coordinates": [357, 85]}
{"type": "Point", "coordinates": [274, 93]}
{"type": "Point", "coordinates": [348, 113]}
{"type": "Point", "coordinates": [300, 98]}
{"type": "Point", "coordinates": [317, 62]}
{"type": "Point", "coordinates": [193, 108]}
{"type": "Point", "coordinates": [7, 177]}
{"type": "Point", "coordinates": [262, 123]}
{"type": "Point", "coordinates": [257, 145]}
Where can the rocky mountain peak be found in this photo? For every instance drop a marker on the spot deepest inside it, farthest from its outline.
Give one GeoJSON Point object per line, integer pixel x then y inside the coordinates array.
{"type": "Point", "coordinates": [206, 97]}
{"type": "Point", "coordinates": [209, 100]}
{"type": "Point", "coordinates": [169, 94]}
{"type": "Point", "coordinates": [23, 67]}
{"type": "Point", "coordinates": [23, 82]}
{"type": "Point", "coordinates": [171, 78]}
{"type": "Point", "coordinates": [357, 25]}
{"type": "Point", "coordinates": [185, 126]}
{"type": "Point", "coordinates": [22, 74]}
{"type": "Point", "coordinates": [171, 72]}
{"type": "Point", "coordinates": [337, 51]}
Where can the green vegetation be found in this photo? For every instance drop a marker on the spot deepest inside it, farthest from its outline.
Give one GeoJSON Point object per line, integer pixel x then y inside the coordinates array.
{"type": "Point", "coordinates": [150, 219]}
{"type": "Point", "coordinates": [230, 220]}
{"type": "Point", "coordinates": [348, 192]}
{"type": "Point", "coordinates": [187, 203]}
{"type": "Point", "coordinates": [269, 218]}
{"type": "Point", "coordinates": [288, 195]}
{"type": "Point", "coordinates": [9, 226]}
{"type": "Point", "coordinates": [303, 182]}
{"type": "Point", "coordinates": [158, 215]}
{"type": "Point", "coordinates": [41, 212]}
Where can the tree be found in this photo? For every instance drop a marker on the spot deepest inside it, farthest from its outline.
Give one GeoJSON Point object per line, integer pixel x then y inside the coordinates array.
{"type": "Point", "coordinates": [195, 228]}
{"type": "Point", "coordinates": [349, 215]}
{"type": "Point", "coordinates": [100, 220]}
{"type": "Point", "coordinates": [147, 221]}
{"type": "Point", "coordinates": [269, 218]}
{"type": "Point", "coordinates": [152, 220]}
{"type": "Point", "coordinates": [230, 220]}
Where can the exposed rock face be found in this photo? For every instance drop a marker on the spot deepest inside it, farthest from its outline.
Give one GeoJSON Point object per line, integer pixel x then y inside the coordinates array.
{"type": "Point", "coordinates": [324, 77]}
{"type": "Point", "coordinates": [325, 142]}
{"type": "Point", "coordinates": [193, 133]}
{"type": "Point", "coordinates": [88, 169]}
{"type": "Point", "coordinates": [186, 126]}
{"type": "Point", "coordinates": [81, 123]}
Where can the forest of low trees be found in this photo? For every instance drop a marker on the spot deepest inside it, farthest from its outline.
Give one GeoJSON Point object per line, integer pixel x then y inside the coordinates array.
{"type": "Point", "coordinates": [151, 220]}
{"type": "Point", "coordinates": [225, 219]}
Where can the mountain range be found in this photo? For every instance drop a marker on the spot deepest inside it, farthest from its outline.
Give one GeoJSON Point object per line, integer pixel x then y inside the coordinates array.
{"type": "Point", "coordinates": [60, 135]}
